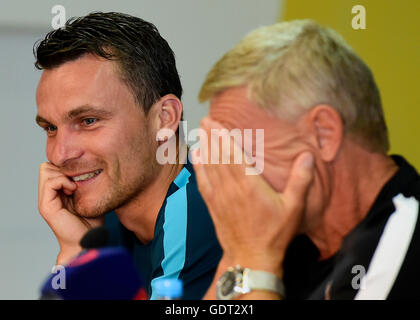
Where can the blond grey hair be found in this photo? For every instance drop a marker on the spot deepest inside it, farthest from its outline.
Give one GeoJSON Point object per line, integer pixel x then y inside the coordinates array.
{"type": "Point", "coordinates": [293, 66]}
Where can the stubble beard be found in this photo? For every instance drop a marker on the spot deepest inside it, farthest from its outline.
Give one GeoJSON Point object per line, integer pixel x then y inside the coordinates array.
{"type": "Point", "coordinates": [120, 192]}
{"type": "Point", "coordinates": [119, 195]}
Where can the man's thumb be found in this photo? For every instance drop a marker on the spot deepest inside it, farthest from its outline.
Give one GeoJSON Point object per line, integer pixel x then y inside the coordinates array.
{"type": "Point", "coordinates": [300, 178]}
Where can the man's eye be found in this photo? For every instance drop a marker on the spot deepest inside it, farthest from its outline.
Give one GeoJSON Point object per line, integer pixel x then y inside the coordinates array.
{"type": "Point", "coordinates": [89, 121]}
{"type": "Point", "coordinates": [50, 128]}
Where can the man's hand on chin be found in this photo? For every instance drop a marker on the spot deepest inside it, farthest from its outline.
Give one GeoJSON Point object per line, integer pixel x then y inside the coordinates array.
{"type": "Point", "coordinates": [55, 206]}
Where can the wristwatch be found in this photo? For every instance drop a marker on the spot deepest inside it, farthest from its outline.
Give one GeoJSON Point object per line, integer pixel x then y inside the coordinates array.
{"type": "Point", "coordinates": [237, 280]}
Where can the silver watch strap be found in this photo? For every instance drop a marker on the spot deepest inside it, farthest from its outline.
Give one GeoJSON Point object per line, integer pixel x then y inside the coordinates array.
{"type": "Point", "coordinates": [262, 280]}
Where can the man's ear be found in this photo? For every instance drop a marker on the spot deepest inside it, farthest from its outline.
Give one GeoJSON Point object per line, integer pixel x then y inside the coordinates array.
{"type": "Point", "coordinates": [325, 125]}
{"type": "Point", "coordinates": [168, 111]}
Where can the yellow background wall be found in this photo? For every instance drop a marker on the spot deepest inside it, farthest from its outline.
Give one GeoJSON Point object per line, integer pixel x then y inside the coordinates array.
{"type": "Point", "coordinates": [390, 45]}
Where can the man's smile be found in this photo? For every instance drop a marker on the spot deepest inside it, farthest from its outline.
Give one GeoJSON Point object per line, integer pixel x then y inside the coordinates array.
{"type": "Point", "coordinates": [86, 176]}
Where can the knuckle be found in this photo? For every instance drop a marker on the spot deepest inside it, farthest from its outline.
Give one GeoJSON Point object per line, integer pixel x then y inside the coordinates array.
{"type": "Point", "coordinates": [44, 166]}
{"type": "Point", "coordinates": [50, 180]}
{"type": "Point", "coordinates": [41, 209]}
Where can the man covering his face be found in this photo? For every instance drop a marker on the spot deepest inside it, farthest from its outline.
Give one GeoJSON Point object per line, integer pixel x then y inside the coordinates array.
{"type": "Point", "coordinates": [330, 207]}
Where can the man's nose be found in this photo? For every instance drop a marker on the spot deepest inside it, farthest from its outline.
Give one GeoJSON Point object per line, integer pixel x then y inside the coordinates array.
{"type": "Point", "coordinates": [64, 147]}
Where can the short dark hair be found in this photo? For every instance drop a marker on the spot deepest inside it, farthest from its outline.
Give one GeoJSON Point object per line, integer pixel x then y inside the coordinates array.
{"type": "Point", "coordinates": [146, 62]}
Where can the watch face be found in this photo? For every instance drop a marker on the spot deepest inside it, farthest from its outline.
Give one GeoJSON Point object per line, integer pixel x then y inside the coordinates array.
{"type": "Point", "coordinates": [226, 285]}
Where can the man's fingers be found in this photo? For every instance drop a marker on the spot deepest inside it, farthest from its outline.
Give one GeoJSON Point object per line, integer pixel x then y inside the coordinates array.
{"type": "Point", "coordinates": [227, 148]}
{"type": "Point", "coordinates": [68, 192]}
{"type": "Point", "coordinates": [300, 179]}
{"type": "Point", "coordinates": [203, 182]}
{"type": "Point", "coordinates": [53, 185]}
{"type": "Point", "coordinates": [209, 149]}
{"type": "Point", "coordinates": [48, 171]}
{"type": "Point", "coordinates": [58, 183]}
{"type": "Point", "coordinates": [204, 144]}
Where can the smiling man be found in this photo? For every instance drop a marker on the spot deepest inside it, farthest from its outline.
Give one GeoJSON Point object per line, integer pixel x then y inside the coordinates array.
{"type": "Point", "coordinates": [109, 85]}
